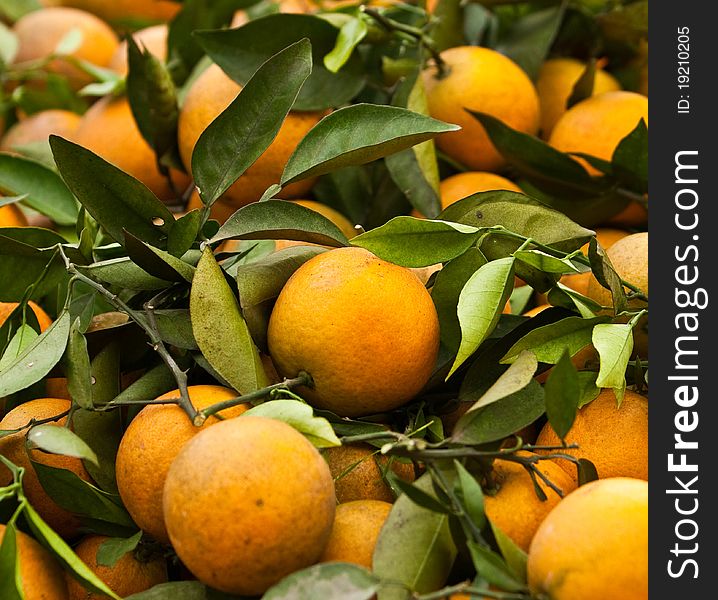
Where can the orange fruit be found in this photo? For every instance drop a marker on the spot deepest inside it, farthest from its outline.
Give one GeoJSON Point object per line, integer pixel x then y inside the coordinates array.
{"type": "Point", "coordinates": [41, 577]}
{"type": "Point", "coordinates": [358, 471]}
{"type": "Point", "coordinates": [247, 502]}
{"type": "Point", "coordinates": [209, 95]}
{"type": "Point", "coordinates": [461, 185]}
{"type": "Point", "coordinates": [121, 10]}
{"type": "Point", "coordinates": [13, 448]}
{"type": "Point", "coordinates": [39, 127]}
{"type": "Point", "coordinates": [594, 544]}
{"type": "Point", "coordinates": [150, 444]}
{"type": "Point", "coordinates": [12, 216]}
{"type": "Point", "coordinates": [515, 508]}
{"type": "Point", "coordinates": [109, 130]}
{"type": "Point", "coordinates": [536, 310]}
{"type": "Point", "coordinates": [152, 39]}
{"type": "Point", "coordinates": [555, 85]}
{"type": "Point", "coordinates": [43, 319]}
{"type": "Point", "coordinates": [634, 215]}
{"type": "Point", "coordinates": [482, 80]}
{"type": "Point", "coordinates": [127, 576]}
{"type": "Point", "coordinates": [364, 329]}
{"type": "Point", "coordinates": [629, 257]}
{"type": "Point", "coordinates": [356, 529]}
{"type": "Point", "coordinates": [595, 126]}
{"type": "Point", "coordinates": [612, 438]}
{"type": "Point", "coordinates": [39, 33]}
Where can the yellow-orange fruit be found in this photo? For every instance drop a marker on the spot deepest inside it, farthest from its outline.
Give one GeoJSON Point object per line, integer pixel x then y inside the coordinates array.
{"type": "Point", "coordinates": [356, 529]}
{"type": "Point", "coordinates": [13, 448]}
{"type": "Point", "coordinates": [481, 80]}
{"type": "Point", "coordinates": [364, 329]}
{"type": "Point", "coordinates": [271, 499]}
{"type": "Point", "coordinates": [594, 544]}
{"type": "Point", "coordinates": [515, 508]}
{"type": "Point", "coordinates": [41, 577]}
{"type": "Point", "coordinates": [39, 33]}
{"type": "Point", "coordinates": [613, 438]}
{"type": "Point", "coordinates": [12, 216]}
{"type": "Point", "coordinates": [122, 10]}
{"type": "Point", "coordinates": [109, 130]}
{"type": "Point", "coordinates": [150, 444]}
{"type": "Point", "coordinates": [555, 83]}
{"type": "Point", "coordinates": [634, 215]}
{"type": "Point", "coordinates": [43, 319]}
{"type": "Point", "coordinates": [536, 310]}
{"type": "Point", "coordinates": [126, 577]}
{"type": "Point", "coordinates": [209, 95]}
{"type": "Point", "coordinates": [39, 127]}
{"type": "Point", "coordinates": [358, 470]}
{"type": "Point", "coordinates": [153, 39]}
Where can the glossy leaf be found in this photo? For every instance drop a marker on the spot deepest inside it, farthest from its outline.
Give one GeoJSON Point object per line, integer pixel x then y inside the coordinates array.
{"type": "Point", "coordinates": [300, 416]}
{"type": "Point", "coordinates": [326, 580]}
{"type": "Point", "coordinates": [480, 304]}
{"type": "Point", "coordinates": [356, 135]}
{"type": "Point", "coordinates": [220, 330]}
{"type": "Point", "coordinates": [59, 440]}
{"type": "Point", "coordinates": [262, 38]}
{"type": "Point", "coordinates": [246, 128]}
{"type": "Point", "coordinates": [113, 549]}
{"type": "Point", "coordinates": [115, 199]}
{"type": "Point", "coordinates": [412, 242]}
{"type": "Point", "coordinates": [614, 343]}
{"type": "Point", "coordinates": [563, 394]}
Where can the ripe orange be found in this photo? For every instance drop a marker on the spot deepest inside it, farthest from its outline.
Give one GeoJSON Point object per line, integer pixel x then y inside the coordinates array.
{"type": "Point", "coordinates": [39, 32]}
{"type": "Point", "coordinates": [246, 502]}
{"type": "Point", "coordinates": [12, 216]}
{"type": "Point", "coordinates": [595, 126]}
{"type": "Point", "coordinates": [364, 329]}
{"type": "Point", "coordinates": [614, 439]}
{"type": "Point", "coordinates": [634, 215]}
{"type": "Point", "coordinates": [41, 577]}
{"type": "Point", "coordinates": [43, 319]}
{"type": "Point", "coordinates": [127, 576]}
{"type": "Point", "coordinates": [209, 95]}
{"type": "Point", "coordinates": [555, 85]}
{"type": "Point", "coordinates": [485, 81]}
{"type": "Point", "coordinates": [358, 472]}
{"type": "Point", "coordinates": [153, 39]}
{"type": "Point", "coordinates": [120, 10]}
{"type": "Point", "coordinates": [629, 257]}
{"type": "Point", "coordinates": [515, 508]}
{"type": "Point", "coordinates": [150, 444]}
{"type": "Point", "coordinates": [356, 529]}
{"type": "Point", "coordinates": [39, 127]}
{"type": "Point", "coordinates": [594, 544]}
{"type": "Point", "coordinates": [536, 310]}
{"type": "Point", "coordinates": [13, 448]}
{"type": "Point", "coordinates": [109, 130]}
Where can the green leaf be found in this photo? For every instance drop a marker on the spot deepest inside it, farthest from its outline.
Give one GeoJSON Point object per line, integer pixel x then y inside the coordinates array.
{"type": "Point", "coordinates": [115, 199]}
{"type": "Point", "coordinates": [280, 220]}
{"type": "Point", "coordinates": [545, 262]}
{"type": "Point", "coordinates": [501, 419]}
{"type": "Point", "coordinates": [64, 553]}
{"type": "Point", "coordinates": [43, 189]}
{"type": "Point", "coordinates": [184, 233]}
{"type": "Point", "coordinates": [480, 304]}
{"type": "Point", "coordinates": [630, 159]}
{"type": "Point", "coordinates": [563, 394]}
{"type": "Point", "coordinates": [415, 547]}
{"type": "Point", "coordinates": [240, 52]}
{"type": "Point", "coordinates": [175, 328]}
{"type": "Point", "coordinates": [23, 337]}
{"type": "Point", "coordinates": [587, 471]}
{"type": "Point", "coordinates": [625, 24]}
{"type": "Point", "coordinates": [246, 128]}
{"type": "Point", "coordinates": [606, 275]}
{"type": "Point", "coordinates": [59, 440]}
{"type": "Point", "coordinates": [447, 32]}
{"type": "Point", "coordinates": [412, 242]}
{"type": "Point", "coordinates": [470, 494]}
{"type": "Point", "coordinates": [220, 330]}
{"type": "Point", "coordinates": [300, 416]}
{"type": "Point", "coordinates": [326, 580]}
{"type": "Point", "coordinates": [124, 273]}
{"type": "Point", "coordinates": [77, 367]}
{"type": "Point", "coordinates": [10, 580]}
{"type": "Point", "coordinates": [417, 495]}
{"type": "Point", "coordinates": [491, 567]}
{"type": "Point", "coordinates": [157, 262]}
{"type": "Point", "coordinates": [446, 290]}
{"type": "Point", "coordinates": [112, 550]}
{"type": "Point", "coordinates": [350, 35]}
{"type": "Point", "coordinates": [37, 359]}
{"type": "Point", "coordinates": [516, 559]}
{"type": "Point", "coordinates": [587, 386]}
{"type": "Point", "coordinates": [178, 590]}
{"type": "Point", "coordinates": [549, 342]}
{"type": "Point", "coordinates": [356, 135]}
{"type": "Point", "coordinates": [614, 343]}
{"type": "Point", "coordinates": [583, 88]}
{"type": "Point", "coordinates": [156, 381]}
{"type": "Point", "coordinates": [8, 44]}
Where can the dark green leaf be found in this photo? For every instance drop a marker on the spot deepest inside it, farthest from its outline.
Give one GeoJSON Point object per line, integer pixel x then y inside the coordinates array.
{"type": "Point", "coordinates": [326, 580]}
{"type": "Point", "coordinates": [491, 567]}
{"type": "Point", "coordinates": [115, 199]}
{"type": "Point", "coordinates": [587, 471]}
{"type": "Point", "coordinates": [240, 52]}
{"type": "Point", "coordinates": [77, 367]}
{"type": "Point", "coordinates": [10, 581]}
{"type": "Point", "coordinates": [630, 159]}
{"type": "Point", "coordinates": [356, 135]}
{"type": "Point", "coordinates": [175, 328]}
{"type": "Point", "coordinates": [246, 128]}
{"type": "Point", "coordinates": [563, 394]}
{"type": "Point", "coordinates": [43, 189]}
{"type": "Point", "coordinates": [470, 494]}
{"type": "Point", "coordinates": [447, 32]}
{"type": "Point", "coordinates": [606, 275]}
{"type": "Point", "coordinates": [300, 416]}
{"type": "Point", "coordinates": [625, 23]}
{"type": "Point", "coordinates": [157, 262]}
{"type": "Point", "coordinates": [412, 242]}
{"type": "Point", "coordinates": [583, 88]}
{"type": "Point", "coordinates": [417, 495]}
{"type": "Point", "coordinates": [155, 382]}
{"type": "Point", "coordinates": [184, 233]}
{"type": "Point", "coordinates": [588, 389]}
{"type": "Point", "coordinates": [515, 558]}
{"type": "Point", "coordinates": [112, 550]}
{"type": "Point", "coordinates": [124, 273]}
{"type": "Point", "coordinates": [178, 590]}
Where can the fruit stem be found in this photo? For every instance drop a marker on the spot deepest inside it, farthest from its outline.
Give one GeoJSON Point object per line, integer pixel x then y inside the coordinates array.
{"type": "Point", "coordinates": [302, 379]}
{"type": "Point", "coordinates": [35, 422]}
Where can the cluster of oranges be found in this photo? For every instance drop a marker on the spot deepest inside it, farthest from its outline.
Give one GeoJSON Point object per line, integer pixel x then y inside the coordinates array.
{"type": "Point", "coordinates": [244, 500]}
